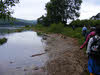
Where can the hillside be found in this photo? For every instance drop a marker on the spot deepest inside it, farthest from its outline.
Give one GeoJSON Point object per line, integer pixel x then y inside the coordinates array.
{"type": "Point", "coordinates": [16, 22]}
{"type": "Point", "coordinates": [27, 21]}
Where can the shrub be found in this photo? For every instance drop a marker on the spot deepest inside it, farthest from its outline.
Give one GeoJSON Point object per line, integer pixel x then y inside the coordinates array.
{"type": "Point", "coordinates": [39, 33]}
{"type": "Point", "coordinates": [27, 26]}
{"type": "Point", "coordinates": [19, 30]}
{"type": "Point", "coordinates": [56, 28]}
{"type": "Point", "coordinates": [88, 23]}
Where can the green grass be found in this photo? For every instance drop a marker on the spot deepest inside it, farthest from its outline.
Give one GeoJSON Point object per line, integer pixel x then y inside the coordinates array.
{"type": "Point", "coordinates": [56, 28]}
{"type": "Point", "coordinates": [67, 31]}
{"type": "Point", "coordinates": [41, 28]}
{"type": "Point", "coordinates": [74, 33]}
{"type": "Point", "coordinates": [40, 33]}
{"type": "Point", "coordinates": [3, 40]}
{"type": "Point", "coordinates": [18, 30]}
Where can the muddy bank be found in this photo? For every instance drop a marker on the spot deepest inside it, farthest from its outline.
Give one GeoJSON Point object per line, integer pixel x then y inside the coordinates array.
{"type": "Point", "coordinates": [65, 57]}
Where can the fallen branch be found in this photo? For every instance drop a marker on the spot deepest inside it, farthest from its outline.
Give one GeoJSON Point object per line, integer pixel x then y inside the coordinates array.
{"type": "Point", "coordinates": [37, 54]}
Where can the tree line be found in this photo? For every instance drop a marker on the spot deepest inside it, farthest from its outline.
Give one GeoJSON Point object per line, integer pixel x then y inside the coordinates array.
{"type": "Point", "coordinates": [88, 23]}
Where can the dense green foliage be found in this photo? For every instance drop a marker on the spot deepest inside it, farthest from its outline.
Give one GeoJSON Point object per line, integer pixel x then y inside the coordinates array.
{"type": "Point", "coordinates": [5, 8]}
{"type": "Point", "coordinates": [56, 28]}
{"type": "Point", "coordinates": [88, 23]}
{"type": "Point", "coordinates": [60, 11]}
{"type": "Point", "coordinates": [2, 41]}
{"type": "Point", "coordinates": [77, 33]}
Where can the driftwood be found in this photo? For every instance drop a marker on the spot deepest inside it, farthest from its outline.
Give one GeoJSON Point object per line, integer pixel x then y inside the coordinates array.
{"type": "Point", "coordinates": [37, 54]}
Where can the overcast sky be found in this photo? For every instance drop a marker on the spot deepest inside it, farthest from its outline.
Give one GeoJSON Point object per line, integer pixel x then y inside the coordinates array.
{"type": "Point", "coordinates": [33, 9]}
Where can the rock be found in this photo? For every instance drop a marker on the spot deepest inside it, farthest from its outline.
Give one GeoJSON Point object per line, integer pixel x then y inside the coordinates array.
{"type": "Point", "coordinates": [36, 68]}
{"type": "Point", "coordinates": [44, 38]}
{"type": "Point", "coordinates": [25, 69]}
{"type": "Point", "coordinates": [11, 62]}
{"type": "Point", "coordinates": [46, 49]}
{"type": "Point", "coordinates": [18, 67]}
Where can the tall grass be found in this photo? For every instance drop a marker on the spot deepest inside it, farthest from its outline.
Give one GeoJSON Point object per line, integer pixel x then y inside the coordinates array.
{"type": "Point", "coordinates": [56, 28]}
{"type": "Point", "coordinates": [74, 34]}
{"type": "Point", "coordinates": [41, 28]}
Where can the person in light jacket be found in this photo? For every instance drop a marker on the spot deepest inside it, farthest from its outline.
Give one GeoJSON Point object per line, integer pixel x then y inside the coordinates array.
{"type": "Point", "coordinates": [93, 61]}
{"type": "Point", "coordinates": [84, 30]}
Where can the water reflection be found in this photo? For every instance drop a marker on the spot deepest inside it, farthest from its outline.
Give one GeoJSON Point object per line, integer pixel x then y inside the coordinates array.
{"type": "Point", "coordinates": [4, 30]}
{"type": "Point", "coordinates": [15, 55]}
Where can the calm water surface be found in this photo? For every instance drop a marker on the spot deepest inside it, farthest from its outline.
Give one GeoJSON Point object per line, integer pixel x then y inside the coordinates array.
{"type": "Point", "coordinates": [15, 55]}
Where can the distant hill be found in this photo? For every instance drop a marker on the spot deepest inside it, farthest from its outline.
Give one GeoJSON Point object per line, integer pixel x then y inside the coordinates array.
{"type": "Point", "coordinates": [27, 21]}
{"type": "Point", "coordinates": [16, 22]}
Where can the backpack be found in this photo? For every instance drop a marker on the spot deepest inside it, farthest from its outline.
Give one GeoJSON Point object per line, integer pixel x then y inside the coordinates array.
{"type": "Point", "coordinates": [95, 47]}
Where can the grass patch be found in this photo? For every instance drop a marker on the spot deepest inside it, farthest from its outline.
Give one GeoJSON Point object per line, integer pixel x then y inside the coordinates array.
{"type": "Point", "coordinates": [74, 34]}
{"type": "Point", "coordinates": [40, 33]}
{"type": "Point", "coordinates": [3, 40]}
{"type": "Point", "coordinates": [18, 30]}
{"type": "Point", "coordinates": [41, 28]}
{"type": "Point", "coordinates": [59, 28]}
{"type": "Point", "coordinates": [56, 28]}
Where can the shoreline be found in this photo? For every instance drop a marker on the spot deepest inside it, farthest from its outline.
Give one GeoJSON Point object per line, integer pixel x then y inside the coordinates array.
{"type": "Point", "coordinates": [65, 57]}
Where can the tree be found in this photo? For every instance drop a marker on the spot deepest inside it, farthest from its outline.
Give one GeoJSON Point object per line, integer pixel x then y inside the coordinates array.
{"type": "Point", "coordinates": [43, 20]}
{"type": "Point", "coordinates": [62, 10]}
{"type": "Point", "coordinates": [5, 8]}
{"type": "Point", "coordinates": [54, 11]}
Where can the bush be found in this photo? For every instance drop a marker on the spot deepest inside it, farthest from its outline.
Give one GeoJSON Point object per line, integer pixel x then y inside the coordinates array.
{"type": "Point", "coordinates": [39, 33]}
{"type": "Point", "coordinates": [3, 40]}
{"type": "Point", "coordinates": [27, 26]}
{"type": "Point", "coordinates": [68, 31]}
{"type": "Point", "coordinates": [88, 23]}
{"type": "Point", "coordinates": [39, 26]}
{"type": "Point", "coordinates": [19, 30]}
{"type": "Point", "coordinates": [56, 28]}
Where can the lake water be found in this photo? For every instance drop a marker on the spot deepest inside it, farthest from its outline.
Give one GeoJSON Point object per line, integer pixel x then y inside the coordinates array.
{"type": "Point", "coordinates": [4, 30]}
{"type": "Point", "coordinates": [15, 55]}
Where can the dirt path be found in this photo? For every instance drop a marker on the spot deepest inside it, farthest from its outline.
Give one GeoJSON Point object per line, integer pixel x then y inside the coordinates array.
{"type": "Point", "coordinates": [65, 58]}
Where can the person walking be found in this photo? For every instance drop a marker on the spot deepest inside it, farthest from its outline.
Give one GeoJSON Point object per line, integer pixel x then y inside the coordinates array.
{"type": "Point", "coordinates": [93, 52]}
{"type": "Point", "coordinates": [84, 30]}
{"type": "Point", "coordinates": [90, 34]}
